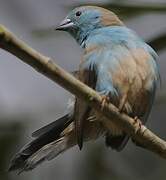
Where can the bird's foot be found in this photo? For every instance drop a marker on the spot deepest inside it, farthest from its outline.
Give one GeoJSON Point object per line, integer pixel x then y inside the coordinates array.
{"type": "Point", "coordinates": [123, 101]}
{"type": "Point", "coordinates": [137, 121]}
{"type": "Point", "coordinates": [105, 100]}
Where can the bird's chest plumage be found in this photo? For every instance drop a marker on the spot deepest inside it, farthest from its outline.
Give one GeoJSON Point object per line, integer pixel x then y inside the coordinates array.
{"type": "Point", "coordinates": [134, 78]}
{"type": "Point", "coordinates": [125, 71]}
{"type": "Point", "coordinates": [125, 75]}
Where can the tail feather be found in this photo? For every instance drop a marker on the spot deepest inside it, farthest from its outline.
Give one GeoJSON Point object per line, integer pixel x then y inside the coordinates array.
{"type": "Point", "coordinates": [45, 136]}
{"type": "Point", "coordinates": [51, 141]}
{"type": "Point", "coordinates": [47, 152]}
{"type": "Point", "coordinates": [56, 125]}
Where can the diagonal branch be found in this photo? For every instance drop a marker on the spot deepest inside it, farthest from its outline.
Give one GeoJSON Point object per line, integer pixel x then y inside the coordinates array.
{"type": "Point", "coordinates": [144, 137]}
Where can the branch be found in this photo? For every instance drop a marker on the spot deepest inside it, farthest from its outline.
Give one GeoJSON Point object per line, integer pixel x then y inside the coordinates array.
{"type": "Point", "coordinates": [144, 137]}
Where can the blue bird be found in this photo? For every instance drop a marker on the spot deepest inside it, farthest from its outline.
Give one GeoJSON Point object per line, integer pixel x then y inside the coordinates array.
{"type": "Point", "coordinates": [119, 65]}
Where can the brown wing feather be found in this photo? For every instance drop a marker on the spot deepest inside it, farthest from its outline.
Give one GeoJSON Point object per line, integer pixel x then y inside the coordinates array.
{"type": "Point", "coordinates": [82, 109]}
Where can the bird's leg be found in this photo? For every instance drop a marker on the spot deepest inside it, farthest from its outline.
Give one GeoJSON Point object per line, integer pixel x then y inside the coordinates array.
{"type": "Point", "coordinates": [125, 96]}
{"type": "Point", "coordinates": [105, 100]}
{"type": "Point", "coordinates": [122, 102]}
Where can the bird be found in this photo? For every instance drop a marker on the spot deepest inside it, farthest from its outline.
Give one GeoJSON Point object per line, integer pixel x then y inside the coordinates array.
{"type": "Point", "coordinates": [116, 63]}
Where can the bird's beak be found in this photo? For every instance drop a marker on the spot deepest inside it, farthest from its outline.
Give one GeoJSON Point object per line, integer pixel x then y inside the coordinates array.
{"type": "Point", "coordinates": [64, 25]}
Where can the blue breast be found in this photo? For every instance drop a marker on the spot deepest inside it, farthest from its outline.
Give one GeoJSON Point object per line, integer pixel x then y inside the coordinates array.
{"type": "Point", "coordinates": [112, 43]}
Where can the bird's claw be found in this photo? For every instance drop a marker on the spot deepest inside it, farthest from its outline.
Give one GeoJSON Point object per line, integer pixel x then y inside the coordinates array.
{"type": "Point", "coordinates": [105, 100]}
{"type": "Point", "coordinates": [137, 121]}
{"type": "Point", "coordinates": [123, 102]}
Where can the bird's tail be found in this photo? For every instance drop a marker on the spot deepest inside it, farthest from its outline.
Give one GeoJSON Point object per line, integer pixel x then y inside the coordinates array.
{"type": "Point", "coordinates": [49, 142]}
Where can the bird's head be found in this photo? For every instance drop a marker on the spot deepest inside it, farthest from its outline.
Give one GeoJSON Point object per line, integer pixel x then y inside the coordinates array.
{"type": "Point", "coordinates": [82, 20]}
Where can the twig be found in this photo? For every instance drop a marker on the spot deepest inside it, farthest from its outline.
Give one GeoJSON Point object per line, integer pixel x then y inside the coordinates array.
{"type": "Point", "coordinates": [144, 137]}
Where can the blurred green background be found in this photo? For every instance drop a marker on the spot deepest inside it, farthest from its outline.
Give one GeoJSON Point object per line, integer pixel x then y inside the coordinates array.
{"type": "Point", "coordinates": [28, 100]}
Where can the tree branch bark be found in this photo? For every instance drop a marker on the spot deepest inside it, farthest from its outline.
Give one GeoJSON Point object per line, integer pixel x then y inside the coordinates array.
{"type": "Point", "coordinates": [143, 136]}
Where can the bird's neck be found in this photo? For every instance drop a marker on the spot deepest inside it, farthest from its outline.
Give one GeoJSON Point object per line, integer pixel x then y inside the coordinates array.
{"type": "Point", "coordinates": [81, 38]}
{"type": "Point", "coordinates": [81, 35]}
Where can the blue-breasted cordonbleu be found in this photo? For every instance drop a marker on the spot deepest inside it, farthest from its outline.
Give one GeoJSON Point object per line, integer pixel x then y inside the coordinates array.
{"type": "Point", "coordinates": [116, 63]}
{"type": "Point", "coordinates": [119, 65]}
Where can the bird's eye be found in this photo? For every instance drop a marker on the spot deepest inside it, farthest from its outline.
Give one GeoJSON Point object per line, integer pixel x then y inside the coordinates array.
{"type": "Point", "coordinates": [78, 13]}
